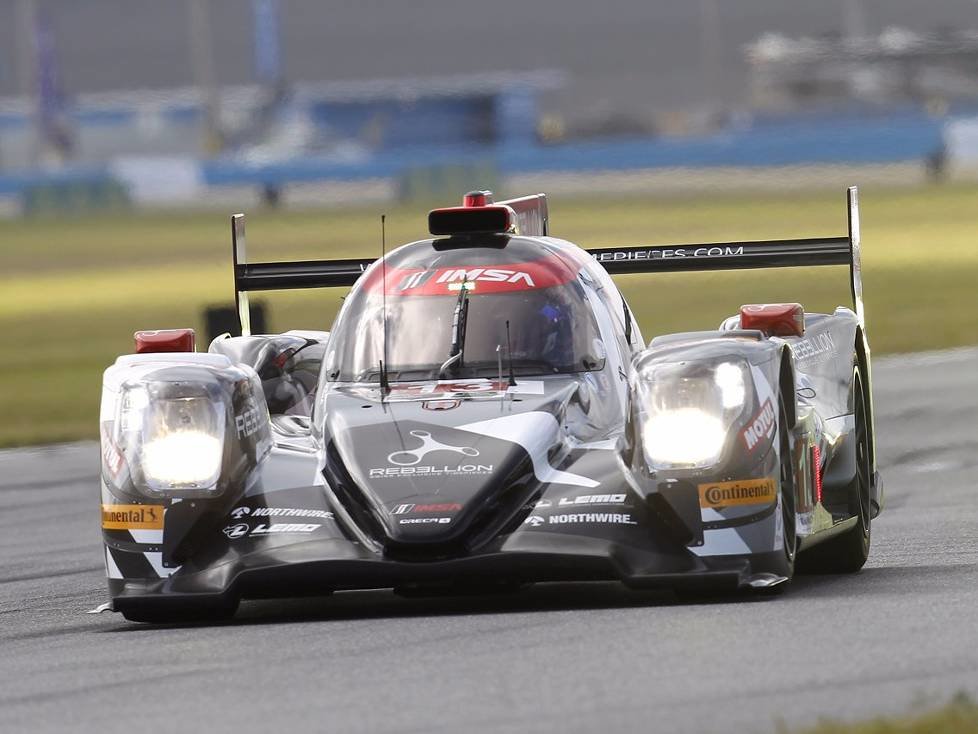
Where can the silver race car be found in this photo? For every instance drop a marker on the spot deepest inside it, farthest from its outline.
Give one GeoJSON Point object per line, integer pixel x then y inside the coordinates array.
{"type": "Point", "coordinates": [486, 413]}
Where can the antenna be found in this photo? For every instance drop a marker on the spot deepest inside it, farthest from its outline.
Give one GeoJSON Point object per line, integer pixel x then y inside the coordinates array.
{"type": "Point", "coordinates": [509, 357]}
{"type": "Point", "coordinates": [499, 373]}
{"type": "Point", "coordinates": [499, 365]}
{"type": "Point", "coordinates": [385, 386]}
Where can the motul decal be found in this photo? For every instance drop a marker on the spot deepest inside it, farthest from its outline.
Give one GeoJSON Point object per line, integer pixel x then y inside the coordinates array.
{"type": "Point", "coordinates": [760, 426]}
{"type": "Point", "coordinates": [112, 458]}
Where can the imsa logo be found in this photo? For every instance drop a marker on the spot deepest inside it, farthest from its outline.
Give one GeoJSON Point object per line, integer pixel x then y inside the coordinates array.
{"type": "Point", "coordinates": [491, 275]}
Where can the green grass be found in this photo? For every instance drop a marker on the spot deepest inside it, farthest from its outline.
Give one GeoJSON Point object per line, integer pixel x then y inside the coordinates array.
{"type": "Point", "coordinates": [73, 291]}
{"type": "Point", "coordinates": [960, 716]}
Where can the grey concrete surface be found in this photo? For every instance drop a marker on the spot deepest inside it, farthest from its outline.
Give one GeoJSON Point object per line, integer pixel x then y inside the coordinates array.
{"type": "Point", "coordinates": [556, 658]}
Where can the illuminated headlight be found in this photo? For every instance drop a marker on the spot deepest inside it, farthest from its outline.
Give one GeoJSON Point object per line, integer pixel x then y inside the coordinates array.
{"type": "Point", "coordinates": [175, 441]}
{"type": "Point", "coordinates": [183, 444]}
{"type": "Point", "coordinates": [687, 411]}
{"type": "Point", "coordinates": [183, 430]}
{"type": "Point", "coordinates": [684, 437]}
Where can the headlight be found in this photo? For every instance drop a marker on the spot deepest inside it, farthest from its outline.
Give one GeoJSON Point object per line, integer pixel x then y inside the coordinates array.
{"type": "Point", "coordinates": [183, 431]}
{"type": "Point", "coordinates": [183, 444]}
{"type": "Point", "coordinates": [684, 437]}
{"type": "Point", "coordinates": [687, 410]}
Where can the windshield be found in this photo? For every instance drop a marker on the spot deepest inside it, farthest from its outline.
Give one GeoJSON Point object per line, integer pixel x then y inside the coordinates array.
{"type": "Point", "coordinates": [551, 330]}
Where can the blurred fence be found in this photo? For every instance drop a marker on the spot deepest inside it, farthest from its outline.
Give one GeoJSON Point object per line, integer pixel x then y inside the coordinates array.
{"type": "Point", "coordinates": [463, 138]}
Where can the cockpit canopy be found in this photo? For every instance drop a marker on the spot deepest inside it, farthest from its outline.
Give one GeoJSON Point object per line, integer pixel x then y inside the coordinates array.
{"type": "Point", "coordinates": [431, 286]}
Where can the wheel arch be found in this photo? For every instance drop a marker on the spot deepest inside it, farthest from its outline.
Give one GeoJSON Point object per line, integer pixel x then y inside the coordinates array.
{"type": "Point", "coordinates": [864, 361]}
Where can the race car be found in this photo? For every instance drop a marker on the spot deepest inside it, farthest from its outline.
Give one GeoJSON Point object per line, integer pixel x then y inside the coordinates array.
{"type": "Point", "coordinates": [485, 413]}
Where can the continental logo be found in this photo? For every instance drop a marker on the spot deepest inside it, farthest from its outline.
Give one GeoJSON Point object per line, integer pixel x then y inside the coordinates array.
{"type": "Point", "coordinates": [742, 492]}
{"type": "Point", "coordinates": [132, 517]}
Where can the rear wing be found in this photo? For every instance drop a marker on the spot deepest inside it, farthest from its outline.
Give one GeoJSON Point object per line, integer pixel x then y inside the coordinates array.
{"type": "Point", "coordinates": [531, 218]}
{"type": "Point", "coordinates": [843, 250]}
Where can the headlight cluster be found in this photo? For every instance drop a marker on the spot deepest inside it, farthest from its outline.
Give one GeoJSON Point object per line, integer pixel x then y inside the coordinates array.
{"type": "Point", "coordinates": [183, 443]}
{"type": "Point", "coordinates": [184, 431]}
{"type": "Point", "coordinates": [686, 411]}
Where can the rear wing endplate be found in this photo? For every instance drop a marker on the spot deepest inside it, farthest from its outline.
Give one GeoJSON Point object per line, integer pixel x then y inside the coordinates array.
{"type": "Point", "coordinates": [271, 276]}
{"type": "Point", "coordinates": [844, 250]}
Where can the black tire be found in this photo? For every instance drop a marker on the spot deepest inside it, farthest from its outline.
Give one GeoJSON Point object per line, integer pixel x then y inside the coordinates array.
{"type": "Point", "coordinates": [784, 563]}
{"type": "Point", "coordinates": [847, 553]}
{"type": "Point", "coordinates": [786, 493]}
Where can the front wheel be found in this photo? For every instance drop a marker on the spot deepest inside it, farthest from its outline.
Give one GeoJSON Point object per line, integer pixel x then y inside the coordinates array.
{"type": "Point", "coordinates": [786, 497]}
{"type": "Point", "coordinates": [847, 553]}
{"type": "Point", "coordinates": [784, 565]}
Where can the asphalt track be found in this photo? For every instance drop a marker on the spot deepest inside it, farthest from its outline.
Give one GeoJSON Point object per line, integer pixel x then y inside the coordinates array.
{"type": "Point", "coordinates": [555, 658]}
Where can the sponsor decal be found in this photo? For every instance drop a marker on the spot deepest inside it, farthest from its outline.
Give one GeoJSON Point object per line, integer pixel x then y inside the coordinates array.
{"type": "Point", "coordinates": [246, 423]}
{"type": "Point", "coordinates": [409, 508]}
{"type": "Point", "coordinates": [242, 529]}
{"type": "Point", "coordinates": [816, 348]}
{"type": "Point", "coordinates": [238, 512]}
{"type": "Point", "coordinates": [598, 518]}
{"type": "Point", "coordinates": [489, 275]}
{"type": "Point", "coordinates": [236, 531]}
{"type": "Point", "coordinates": [545, 272]}
{"type": "Point", "coordinates": [740, 492]}
{"type": "Point", "coordinates": [411, 457]}
{"type": "Point", "coordinates": [760, 426]}
{"type": "Point", "coordinates": [534, 521]}
{"type": "Point", "coordinates": [592, 499]}
{"type": "Point", "coordinates": [132, 517]}
{"type": "Point", "coordinates": [424, 520]}
{"type": "Point", "coordinates": [430, 471]}
{"type": "Point", "coordinates": [669, 253]}
{"type": "Point", "coordinates": [112, 458]}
